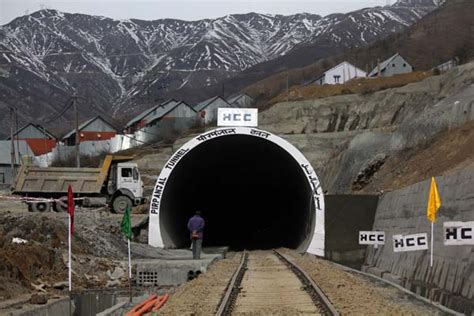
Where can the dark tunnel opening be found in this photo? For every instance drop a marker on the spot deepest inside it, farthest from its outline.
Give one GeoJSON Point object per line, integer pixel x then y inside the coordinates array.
{"type": "Point", "coordinates": [252, 194]}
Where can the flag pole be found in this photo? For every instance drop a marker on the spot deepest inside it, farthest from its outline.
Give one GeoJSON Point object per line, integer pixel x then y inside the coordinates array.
{"type": "Point", "coordinates": [431, 256]}
{"type": "Point", "coordinates": [129, 270]}
{"type": "Point", "coordinates": [70, 211]}
{"type": "Point", "coordinates": [69, 262]}
{"type": "Point", "coordinates": [126, 227]}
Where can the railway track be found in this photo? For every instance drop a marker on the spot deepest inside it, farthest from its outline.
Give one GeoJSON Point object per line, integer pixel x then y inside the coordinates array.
{"type": "Point", "coordinates": [268, 282]}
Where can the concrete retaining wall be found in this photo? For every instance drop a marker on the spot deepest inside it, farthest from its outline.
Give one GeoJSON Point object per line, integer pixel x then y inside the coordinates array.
{"type": "Point", "coordinates": [451, 279]}
{"type": "Point", "coordinates": [55, 308]}
{"type": "Point", "coordinates": [346, 215]}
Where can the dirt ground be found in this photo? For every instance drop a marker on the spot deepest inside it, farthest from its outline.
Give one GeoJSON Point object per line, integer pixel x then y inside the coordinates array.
{"type": "Point", "coordinates": [355, 295]}
{"type": "Point", "coordinates": [359, 85]}
{"type": "Point", "coordinates": [450, 151]}
{"type": "Point", "coordinates": [351, 294]}
{"type": "Point", "coordinates": [37, 265]}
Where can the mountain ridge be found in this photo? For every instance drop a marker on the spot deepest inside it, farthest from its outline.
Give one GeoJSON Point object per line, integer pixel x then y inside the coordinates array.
{"type": "Point", "coordinates": [121, 65]}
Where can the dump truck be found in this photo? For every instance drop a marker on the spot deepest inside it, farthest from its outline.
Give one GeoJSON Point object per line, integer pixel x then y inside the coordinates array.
{"type": "Point", "coordinates": [115, 183]}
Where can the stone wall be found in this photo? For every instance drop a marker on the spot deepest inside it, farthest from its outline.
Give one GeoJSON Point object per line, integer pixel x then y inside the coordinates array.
{"type": "Point", "coordinates": [451, 279]}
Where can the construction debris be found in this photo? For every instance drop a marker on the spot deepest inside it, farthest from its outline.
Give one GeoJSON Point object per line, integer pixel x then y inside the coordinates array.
{"type": "Point", "coordinates": [99, 253]}
{"type": "Point", "coordinates": [39, 299]}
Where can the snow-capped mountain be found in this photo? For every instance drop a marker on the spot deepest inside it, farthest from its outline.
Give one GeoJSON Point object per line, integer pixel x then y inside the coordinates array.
{"type": "Point", "coordinates": [115, 63]}
{"type": "Point", "coordinates": [418, 3]}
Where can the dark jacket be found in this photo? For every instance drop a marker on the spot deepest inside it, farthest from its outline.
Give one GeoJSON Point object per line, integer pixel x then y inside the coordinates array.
{"type": "Point", "coordinates": [196, 223]}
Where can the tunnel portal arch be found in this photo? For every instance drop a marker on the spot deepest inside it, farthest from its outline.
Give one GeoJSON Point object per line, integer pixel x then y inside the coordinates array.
{"type": "Point", "coordinates": [157, 235]}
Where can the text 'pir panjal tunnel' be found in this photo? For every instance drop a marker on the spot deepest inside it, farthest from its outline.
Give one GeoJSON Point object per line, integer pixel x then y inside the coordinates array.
{"type": "Point", "coordinates": [254, 189]}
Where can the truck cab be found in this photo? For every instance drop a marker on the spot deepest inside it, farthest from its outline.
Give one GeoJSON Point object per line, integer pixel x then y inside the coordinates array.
{"type": "Point", "coordinates": [129, 178]}
{"type": "Point", "coordinates": [125, 186]}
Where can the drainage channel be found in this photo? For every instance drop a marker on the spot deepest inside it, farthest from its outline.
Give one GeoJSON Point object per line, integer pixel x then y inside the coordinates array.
{"type": "Point", "coordinates": [266, 282]}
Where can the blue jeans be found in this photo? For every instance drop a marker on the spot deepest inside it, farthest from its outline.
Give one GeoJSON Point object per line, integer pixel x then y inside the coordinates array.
{"type": "Point", "coordinates": [197, 244]}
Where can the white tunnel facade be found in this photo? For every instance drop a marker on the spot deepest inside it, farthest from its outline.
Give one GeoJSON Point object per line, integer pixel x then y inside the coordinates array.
{"type": "Point", "coordinates": [221, 168]}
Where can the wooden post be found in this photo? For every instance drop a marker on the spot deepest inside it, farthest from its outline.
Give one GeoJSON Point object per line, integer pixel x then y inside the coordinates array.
{"type": "Point", "coordinates": [16, 135]}
{"type": "Point", "coordinates": [12, 139]}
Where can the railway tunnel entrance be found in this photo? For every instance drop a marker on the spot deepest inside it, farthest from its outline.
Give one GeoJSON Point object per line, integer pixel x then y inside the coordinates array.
{"type": "Point", "coordinates": [254, 189]}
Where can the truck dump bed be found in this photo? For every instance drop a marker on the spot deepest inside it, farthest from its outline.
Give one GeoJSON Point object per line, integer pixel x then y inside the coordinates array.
{"type": "Point", "coordinates": [56, 180]}
{"type": "Point", "coordinates": [32, 179]}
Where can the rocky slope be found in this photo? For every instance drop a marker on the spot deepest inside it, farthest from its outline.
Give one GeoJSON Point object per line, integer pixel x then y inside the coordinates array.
{"type": "Point", "coordinates": [369, 143]}
{"type": "Point", "coordinates": [120, 64]}
{"type": "Point", "coordinates": [349, 138]}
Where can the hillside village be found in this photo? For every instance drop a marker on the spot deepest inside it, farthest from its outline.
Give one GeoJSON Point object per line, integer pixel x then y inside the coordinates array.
{"type": "Point", "coordinates": [167, 120]}
{"type": "Point", "coordinates": [158, 124]}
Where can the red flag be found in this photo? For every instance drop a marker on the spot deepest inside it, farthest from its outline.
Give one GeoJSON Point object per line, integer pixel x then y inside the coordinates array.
{"type": "Point", "coordinates": [70, 206]}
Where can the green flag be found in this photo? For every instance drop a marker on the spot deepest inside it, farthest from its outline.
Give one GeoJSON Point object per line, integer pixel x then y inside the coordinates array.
{"type": "Point", "coordinates": [127, 224]}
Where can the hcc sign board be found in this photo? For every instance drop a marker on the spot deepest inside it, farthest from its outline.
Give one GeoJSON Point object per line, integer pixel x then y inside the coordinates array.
{"type": "Point", "coordinates": [371, 238]}
{"type": "Point", "coordinates": [410, 242]}
{"type": "Point", "coordinates": [237, 117]}
{"type": "Point", "coordinates": [458, 233]}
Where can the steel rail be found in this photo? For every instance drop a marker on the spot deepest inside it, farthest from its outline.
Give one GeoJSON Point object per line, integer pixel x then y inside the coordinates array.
{"type": "Point", "coordinates": [317, 295]}
{"type": "Point", "coordinates": [233, 288]}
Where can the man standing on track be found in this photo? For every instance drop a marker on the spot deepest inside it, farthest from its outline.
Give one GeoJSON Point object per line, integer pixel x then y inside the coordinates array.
{"type": "Point", "coordinates": [196, 227]}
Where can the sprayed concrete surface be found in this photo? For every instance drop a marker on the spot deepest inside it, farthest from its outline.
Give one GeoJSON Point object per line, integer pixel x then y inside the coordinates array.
{"type": "Point", "coordinates": [451, 280]}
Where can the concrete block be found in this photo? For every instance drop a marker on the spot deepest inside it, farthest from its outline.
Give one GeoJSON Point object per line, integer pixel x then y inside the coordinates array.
{"type": "Point", "coordinates": [392, 278]}
{"type": "Point", "coordinates": [115, 310]}
{"type": "Point", "coordinates": [57, 307]}
{"type": "Point", "coordinates": [376, 271]}
{"type": "Point", "coordinates": [364, 268]}
{"type": "Point", "coordinates": [169, 272]}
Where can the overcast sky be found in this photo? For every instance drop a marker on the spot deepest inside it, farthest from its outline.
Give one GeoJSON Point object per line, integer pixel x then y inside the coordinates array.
{"type": "Point", "coordinates": [181, 9]}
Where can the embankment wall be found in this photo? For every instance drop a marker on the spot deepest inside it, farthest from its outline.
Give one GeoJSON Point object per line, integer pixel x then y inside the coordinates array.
{"type": "Point", "coordinates": [451, 279]}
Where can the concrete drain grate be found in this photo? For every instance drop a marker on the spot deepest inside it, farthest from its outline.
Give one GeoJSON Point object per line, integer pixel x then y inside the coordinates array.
{"type": "Point", "coordinates": [147, 278]}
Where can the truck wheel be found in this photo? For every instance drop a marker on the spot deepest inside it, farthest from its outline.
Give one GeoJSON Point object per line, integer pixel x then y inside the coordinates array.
{"type": "Point", "coordinates": [60, 205]}
{"type": "Point", "coordinates": [121, 203]}
{"type": "Point", "coordinates": [40, 207]}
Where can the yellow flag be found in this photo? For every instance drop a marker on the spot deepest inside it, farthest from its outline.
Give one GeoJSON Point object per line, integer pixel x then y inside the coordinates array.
{"type": "Point", "coordinates": [434, 201]}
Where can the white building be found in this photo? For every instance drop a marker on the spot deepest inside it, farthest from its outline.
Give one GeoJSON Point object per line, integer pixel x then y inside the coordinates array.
{"type": "Point", "coordinates": [142, 119]}
{"type": "Point", "coordinates": [340, 74]}
{"type": "Point", "coordinates": [165, 122]}
{"type": "Point", "coordinates": [453, 62]}
{"type": "Point", "coordinates": [208, 109]}
{"type": "Point", "coordinates": [21, 149]}
{"type": "Point", "coordinates": [395, 65]}
{"type": "Point", "coordinates": [241, 100]}
{"type": "Point", "coordinates": [96, 128]}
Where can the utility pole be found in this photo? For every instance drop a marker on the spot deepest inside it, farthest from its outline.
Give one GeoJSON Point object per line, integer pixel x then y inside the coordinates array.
{"type": "Point", "coordinates": [287, 92]}
{"type": "Point", "coordinates": [17, 128]}
{"type": "Point", "coordinates": [77, 138]}
{"type": "Point", "coordinates": [12, 139]}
